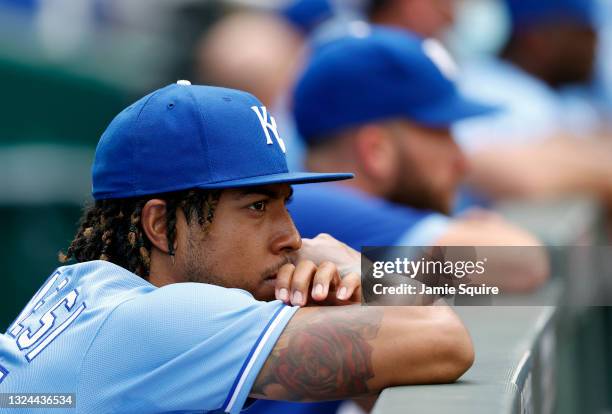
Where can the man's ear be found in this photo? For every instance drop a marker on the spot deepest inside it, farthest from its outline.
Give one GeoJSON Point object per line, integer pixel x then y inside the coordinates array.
{"type": "Point", "coordinates": [153, 220]}
{"type": "Point", "coordinates": [375, 151]}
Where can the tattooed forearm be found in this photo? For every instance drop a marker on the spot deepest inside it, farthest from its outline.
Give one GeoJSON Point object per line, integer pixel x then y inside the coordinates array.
{"type": "Point", "coordinates": [322, 355]}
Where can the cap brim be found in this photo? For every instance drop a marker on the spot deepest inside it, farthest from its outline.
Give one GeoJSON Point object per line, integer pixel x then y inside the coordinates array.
{"type": "Point", "coordinates": [288, 178]}
{"type": "Point", "coordinates": [454, 109]}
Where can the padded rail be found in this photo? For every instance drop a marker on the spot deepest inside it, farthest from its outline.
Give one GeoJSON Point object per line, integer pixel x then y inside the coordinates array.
{"type": "Point", "coordinates": [524, 355]}
{"type": "Point", "coordinates": [514, 370]}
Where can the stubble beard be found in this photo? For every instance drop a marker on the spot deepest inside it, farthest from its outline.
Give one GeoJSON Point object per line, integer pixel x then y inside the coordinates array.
{"type": "Point", "coordinates": [197, 269]}
{"type": "Point", "coordinates": [200, 269]}
{"type": "Point", "coordinates": [411, 189]}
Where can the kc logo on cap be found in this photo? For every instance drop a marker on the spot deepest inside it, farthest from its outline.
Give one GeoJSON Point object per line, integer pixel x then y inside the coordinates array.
{"type": "Point", "coordinates": [269, 126]}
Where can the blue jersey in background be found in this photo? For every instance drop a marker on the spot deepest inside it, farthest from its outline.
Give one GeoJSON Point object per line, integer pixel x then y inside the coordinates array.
{"type": "Point", "coordinates": [359, 220]}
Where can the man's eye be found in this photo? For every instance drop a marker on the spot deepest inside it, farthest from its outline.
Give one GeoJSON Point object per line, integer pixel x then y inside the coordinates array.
{"type": "Point", "coordinates": [258, 206]}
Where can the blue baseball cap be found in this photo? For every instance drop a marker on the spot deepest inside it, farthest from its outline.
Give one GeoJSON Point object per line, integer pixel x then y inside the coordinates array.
{"type": "Point", "coordinates": [187, 136]}
{"type": "Point", "coordinates": [526, 13]}
{"type": "Point", "coordinates": [375, 74]}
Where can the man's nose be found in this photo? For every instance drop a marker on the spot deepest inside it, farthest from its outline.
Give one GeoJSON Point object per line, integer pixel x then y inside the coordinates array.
{"type": "Point", "coordinates": [287, 239]}
{"type": "Point", "coordinates": [460, 160]}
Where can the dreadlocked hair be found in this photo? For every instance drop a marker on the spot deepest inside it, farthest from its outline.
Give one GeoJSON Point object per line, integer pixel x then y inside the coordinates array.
{"type": "Point", "coordinates": [111, 230]}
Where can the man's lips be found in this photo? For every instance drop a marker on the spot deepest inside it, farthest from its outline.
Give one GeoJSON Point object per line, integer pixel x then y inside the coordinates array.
{"type": "Point", "coordinates": [270, 280]}
{"type": "Point", "coordinates": [273, 273]}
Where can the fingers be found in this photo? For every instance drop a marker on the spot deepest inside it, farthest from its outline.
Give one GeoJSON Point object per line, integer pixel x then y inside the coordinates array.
{"type": "Point", "coordinates": [293, 283]}
{"type": "Point", "coordinates": [326, 276]}
{"type": "Point", "coordinates": [283, 282]}
{"type": "Point", "coordinates": [350, 288]}
{"type": "Point", "coordinates": [301, 282]}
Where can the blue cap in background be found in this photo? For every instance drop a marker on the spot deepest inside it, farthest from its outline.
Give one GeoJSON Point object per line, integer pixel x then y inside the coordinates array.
{"type": "Point", "coordinates": [526, 13]}
{"type": "Point", "coordinates": [378, 74]}
{"type": "Point", "coordinates": [306, 15]}
{"type": "Point", "coordinates": [185, 136]}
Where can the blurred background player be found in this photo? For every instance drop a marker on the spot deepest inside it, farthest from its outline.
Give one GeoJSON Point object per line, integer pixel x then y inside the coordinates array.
{"type": "Point", "coordinates": [550, 141]}
{"type": "Point", "coordinates": [527, 149]}
{"type": "Point", "coordinates": [395, 135]}
{"type": "Point", "coordinates": [264, 65]}
{"type": "Point", "coordinates": [426, 18]}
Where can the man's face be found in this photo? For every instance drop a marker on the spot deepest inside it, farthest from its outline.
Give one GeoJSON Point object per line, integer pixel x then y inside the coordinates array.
{"type": "Point", "coordinates": [574, 49]}
{"type": "Point", "coordinates": [430, 166]}
{"type": "Point", "coordinates": [429, 18]}
{"type": "Point", "coordinates": [250, 238]}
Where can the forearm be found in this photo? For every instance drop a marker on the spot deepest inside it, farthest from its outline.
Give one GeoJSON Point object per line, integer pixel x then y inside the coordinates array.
{"type": "Point", "coordinates": [430, 345]}
{"type": "Point", "coordinates": [518, 264]}
{"type": "Point", "coordinates": [344, 352]}
{"type": "Point", "coordinates": [486, 232]}
{"type": "Point", "coordinates": [553, 168]}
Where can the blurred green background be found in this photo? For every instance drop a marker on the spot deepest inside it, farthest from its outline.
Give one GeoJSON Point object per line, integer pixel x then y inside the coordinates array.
{"type": "Point", "coordinates": [65, 71]}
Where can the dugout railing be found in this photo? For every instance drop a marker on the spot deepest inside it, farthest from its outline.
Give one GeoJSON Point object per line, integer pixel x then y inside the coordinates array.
{"type": "Point", "coordinates": [536, 359]}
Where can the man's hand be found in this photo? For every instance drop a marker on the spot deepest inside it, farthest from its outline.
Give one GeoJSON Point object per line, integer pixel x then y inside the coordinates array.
{"type": "Point", "coordinates": [326, 272]}
{"type": "Point", "coordinates": [324, 248]}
